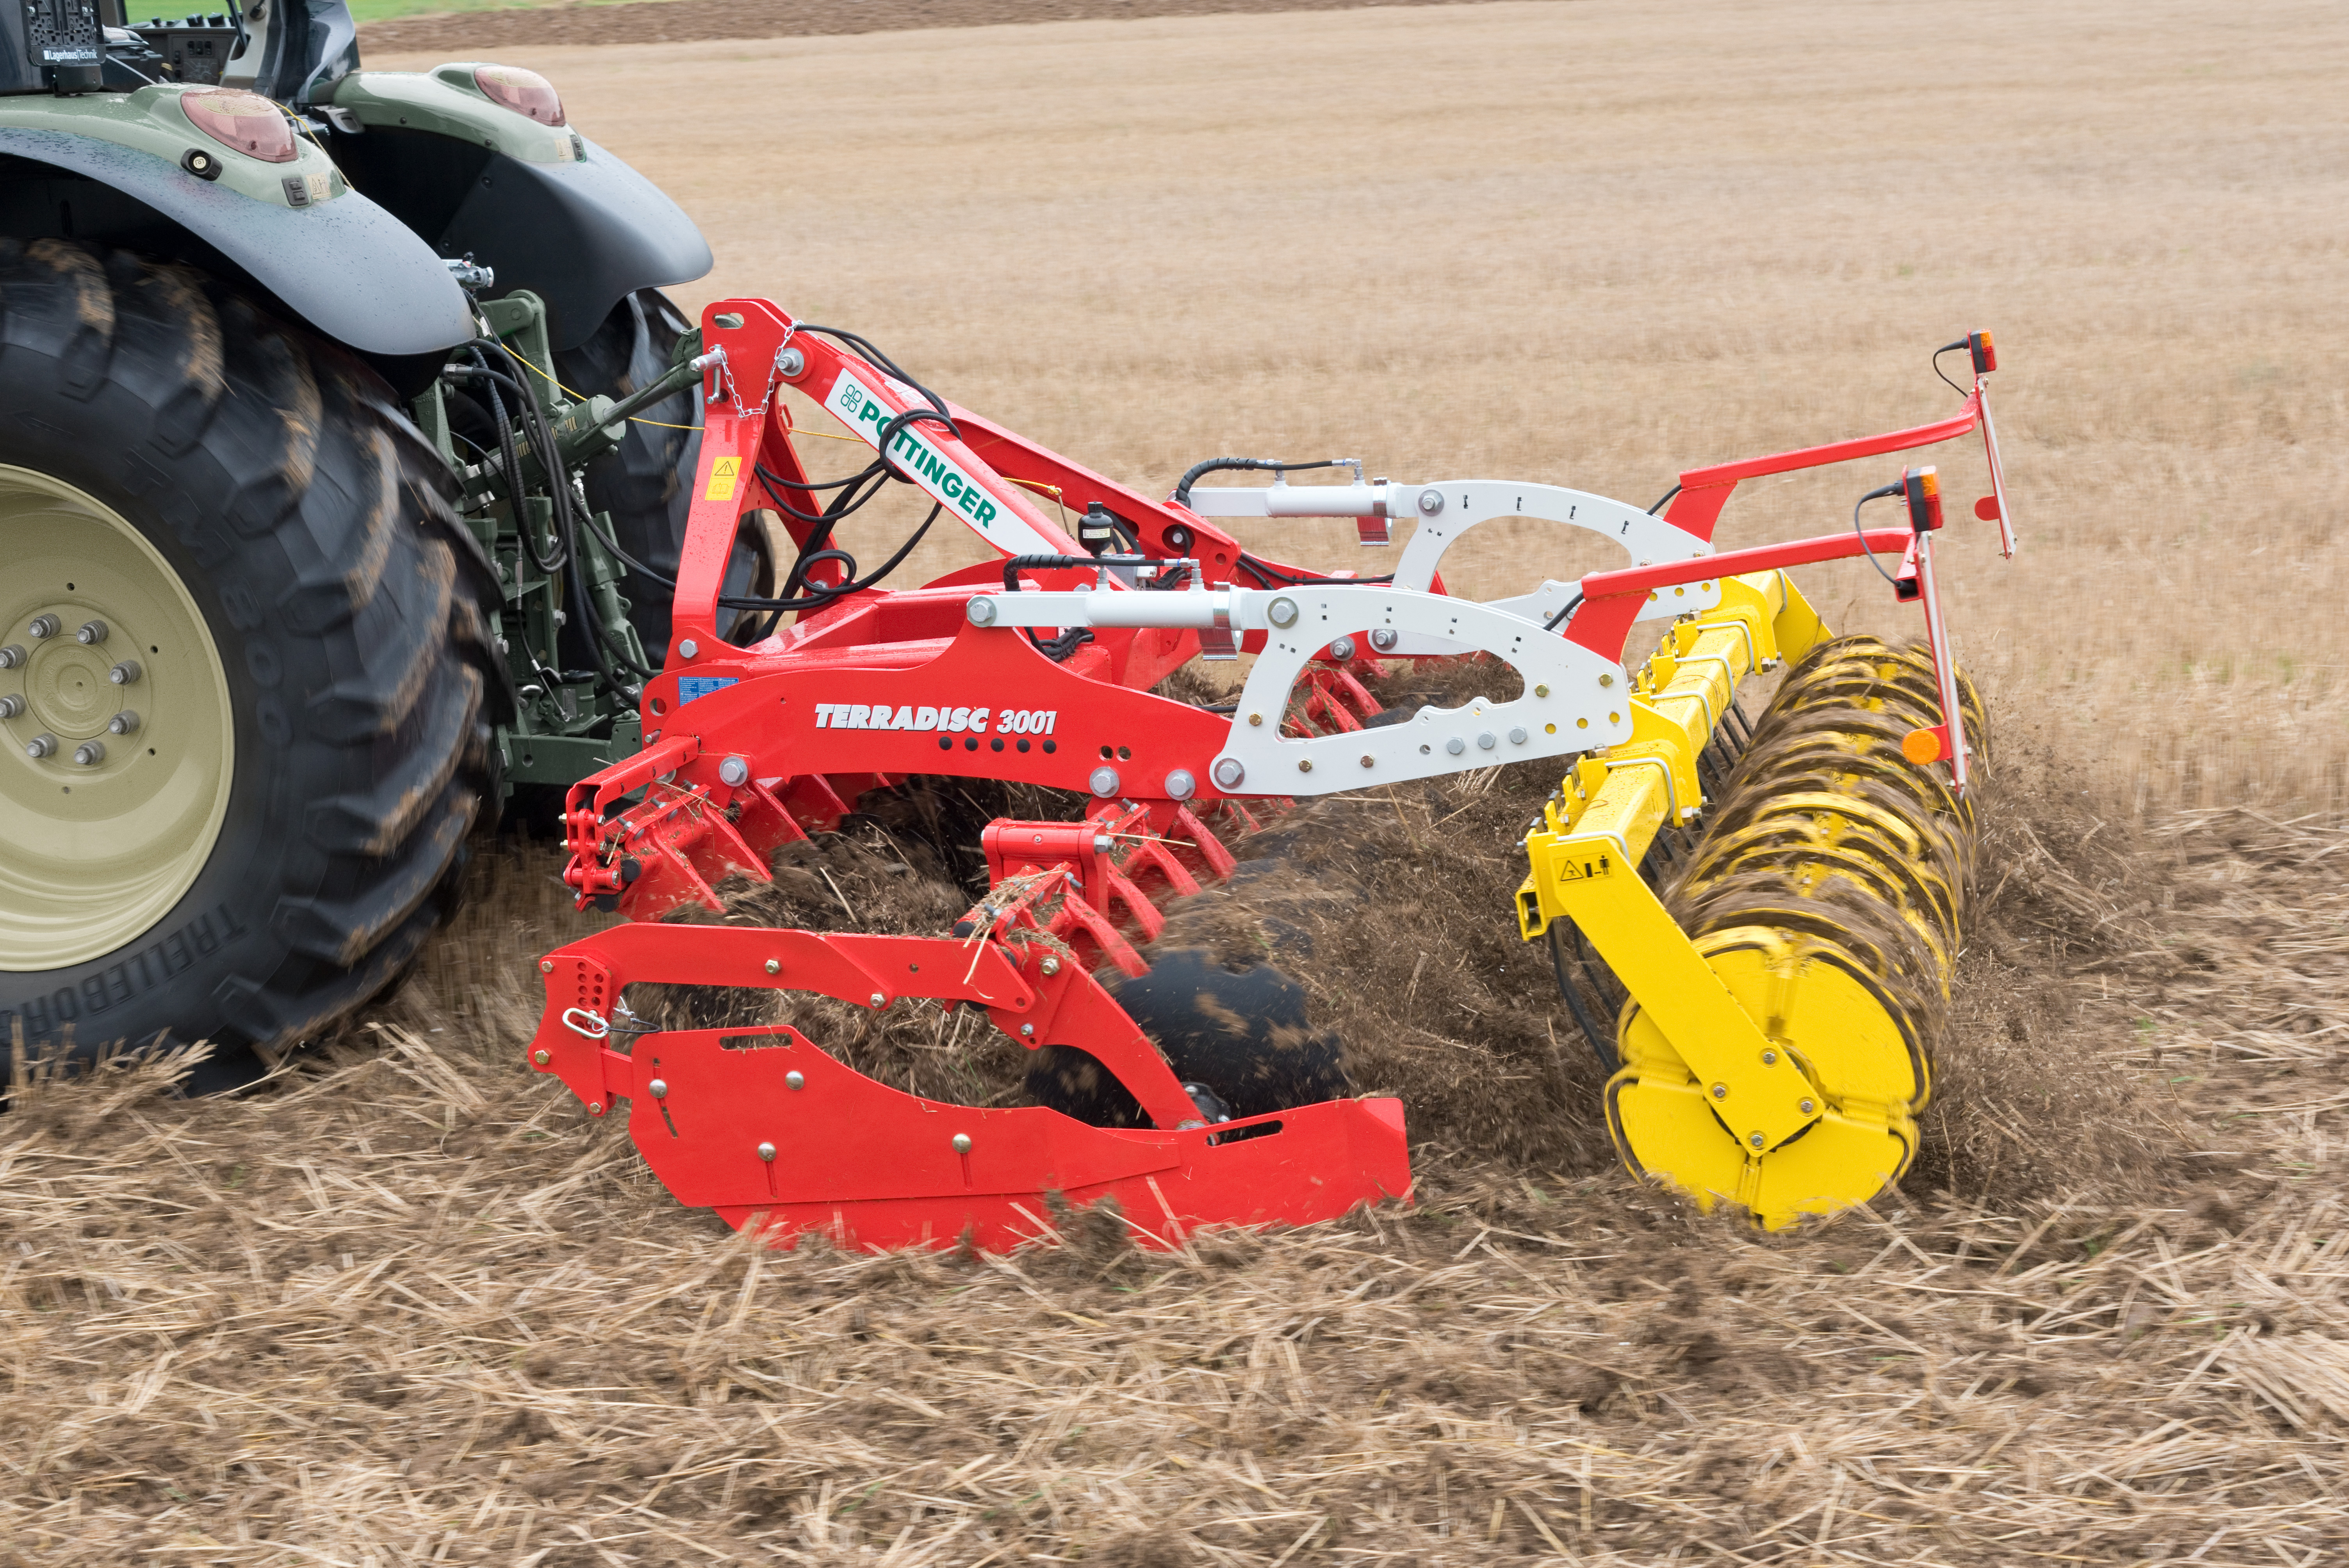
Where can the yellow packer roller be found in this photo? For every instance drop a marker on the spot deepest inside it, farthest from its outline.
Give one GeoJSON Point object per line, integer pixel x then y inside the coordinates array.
{"type": "Point", "coordinates": [1757, 925]}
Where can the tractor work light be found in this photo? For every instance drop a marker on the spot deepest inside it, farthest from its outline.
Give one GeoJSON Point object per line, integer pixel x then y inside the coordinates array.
{"type": "Point", "coordinates": [526, 92]}
{"type": "Point", "coordinates": [244, 121]}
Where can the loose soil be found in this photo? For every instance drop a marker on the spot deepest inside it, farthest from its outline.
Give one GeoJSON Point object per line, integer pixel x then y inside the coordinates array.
{"type": "Point", "coordinates": [688, 21]}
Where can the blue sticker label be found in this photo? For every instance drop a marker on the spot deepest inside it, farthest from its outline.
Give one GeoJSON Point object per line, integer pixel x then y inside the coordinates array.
{"type": "Point", "coordinates": [691, 687]}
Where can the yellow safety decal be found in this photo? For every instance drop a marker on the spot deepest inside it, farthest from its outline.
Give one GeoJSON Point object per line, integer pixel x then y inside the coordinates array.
{"type": "Point", "coordinates": [722, 477]}
{"type": "Point", "coordinates": [1587, 870]}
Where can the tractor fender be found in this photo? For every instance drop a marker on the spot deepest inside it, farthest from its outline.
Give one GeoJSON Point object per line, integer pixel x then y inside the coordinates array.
{"type": "Point", "coordinates": [344, 265]}
{"type": "Point", "coordinates": [541, 205]}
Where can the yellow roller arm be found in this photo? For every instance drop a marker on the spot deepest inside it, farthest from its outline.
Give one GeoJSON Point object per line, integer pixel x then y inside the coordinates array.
{"type": "Point", "coordinates": [1595, 830]}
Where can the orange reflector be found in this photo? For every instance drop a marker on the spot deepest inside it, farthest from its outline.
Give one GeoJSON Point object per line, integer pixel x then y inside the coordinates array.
{"type": "Point", "coordinates": [1930, 479]}
{"type": "Point", "coordinates": [1986, 509]}
{"type": "Point", "coordinates": [1985, 352]}
{"type": "Point", "coordinates": [1922, 746]}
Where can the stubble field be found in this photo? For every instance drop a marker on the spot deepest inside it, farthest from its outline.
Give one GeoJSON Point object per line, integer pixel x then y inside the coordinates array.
{"type": "Point", "coordinates": [410, 1305]}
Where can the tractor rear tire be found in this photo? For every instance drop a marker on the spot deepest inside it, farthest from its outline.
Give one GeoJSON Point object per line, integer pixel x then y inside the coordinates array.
{"type": "Point", "coordinates": [263, 535]}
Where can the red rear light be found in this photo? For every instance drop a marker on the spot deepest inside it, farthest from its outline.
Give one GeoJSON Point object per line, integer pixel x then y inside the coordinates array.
{"type": "Point", "coordinates": [245, 122]}
{"type": "Point", "coordinates": [1922, 487]}
{"type": "Point", "coordinates": [525, 92]}
{"type": "Point", "coordinates": [1985, 352]}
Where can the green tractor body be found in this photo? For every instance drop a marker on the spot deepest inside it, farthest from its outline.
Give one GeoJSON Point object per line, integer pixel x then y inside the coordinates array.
{"type": "Point", "coordinates": [318, 494]}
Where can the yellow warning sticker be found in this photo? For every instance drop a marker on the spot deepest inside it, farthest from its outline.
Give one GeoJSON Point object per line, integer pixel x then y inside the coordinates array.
{"type": "Point", "coordinates": [723, 478]}
{"type": "Point", "coordinates": [1573, 868]}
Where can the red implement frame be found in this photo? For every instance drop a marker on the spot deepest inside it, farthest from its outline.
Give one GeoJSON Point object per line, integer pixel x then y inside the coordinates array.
{"type": "Point", "coordinates": [762, 1124]}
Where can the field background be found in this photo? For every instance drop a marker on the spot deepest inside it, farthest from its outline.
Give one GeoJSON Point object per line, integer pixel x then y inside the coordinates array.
{"type": "Point", "coordinates": [410, 1307]}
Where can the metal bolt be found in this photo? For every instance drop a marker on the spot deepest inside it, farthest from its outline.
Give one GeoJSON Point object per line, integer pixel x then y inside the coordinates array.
{"type": "Point", "coordinates": [1807, 1107]}
{"type": "Point", "coordinates": [1368, 760]}
{"type": "Point", "coordinates": [1758, 1141]}
{"type": "Point", "coordinates": [594, 1108]}
{"type": "Point", "coordinates": [1769, 1059]}
{"type": "Point", "coordinates": [1720, 1091]}
{"type": "Point", "coordinates": [767, 1152]}
{"type": "Point", "coordinates": [879, 1000]}
{"type": "Point", "coordinates": [45, 626]}
{"type": "Point", "coordinates": [1230, 771]}
{"type": "Point", "coordinates": [1104, 782]}
{"type": "Point", "coordinates": [10, 705]}
{"type": "Point", "coordinates": [546, 966]}
{"type": "Point", "coordinates": [789, 362]}
{"type": "Point", "coordinates": [981, 611]}
{"type": "Point", "coordinates": [688, 648]}
{"type": "Point", "coordinates": [1383, 638]}
{"type": "Point", "coordinates": [1486, 741]}
{"type": "Point", "coordinates": [1430, 502]}
{"type": "Point", "coordinates": [92, 633]}
{"type": "Point", "coordinates": [1344, 648]}
{"type": "Point", "coordinates": [1282, 611]}
{"type": "Point", "coordinates": [774, 967]}
{"type": "Point", "coordinates": [734, 773]}
{"type": "Point", "coordinates": [41, 745]}
{"type": "Point", "coordinates": [1606, 680]}
{"type": "Point", "coordinates": [1180, 785]}
{"type": "Point", "coordinates": [1541, 691]}
{"type": "Point", "coordinates": [1026, 1031]}
{"type": "Point", "coordinates": [795, 1079]}
{"type": "Point", "coordinates": [1102, 843]}
{"type": "Point", "coordinates": [1455, 746]}
{"type": "Point", "coordinates": [541, 1057]}
{"type": "Point", "coordinates": [127, 673]}
{"type": "Point", "coordinates": [1255, 720]}
{"type": "Point", "coordinates": [1051, 967]}
{"type": "Point", "coordinates": [122, 723]}
{"type": "Point", "coordinates": [1517, 735]}
{"type": "Point", "coordinates": [90, 753]}
{"type": "Point", "coordinates": [659, 1088]}
{"type": "Point", "coordinates": [962, 1143]}
{"type": "Point", "coordinates": [1305, 766]}
{"type": "Point", "coordinates": [12, 655]}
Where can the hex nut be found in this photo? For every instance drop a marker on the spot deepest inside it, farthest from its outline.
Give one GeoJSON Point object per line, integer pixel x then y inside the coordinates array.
{"type": "Point", "coordinates": [1720, 1091]}
{"type": "Point", "coordinates": [1344, 648]}
{"type": "Point", "coordinates": [1104, 782]}
{"type": "Point", "coordinates": [90, 753]}
{"type": "Point", "coordinates": [546, 965]}
{"type": "Point", "coordinates": [41, 745]}
{"type": "Point", "coordinates": [1282, 611]}
{"type": "Point", "coordinates": [11, 705]}
{"type": "Point", "coordinates": [879, 1000]}
{"type": "Point", "coordinates": [734, 773]}
{"type": "Point", "coordinates": [1758, 1141]}
{"type": "Point", "coordinates": [1180, 785]}
{"type": "Point", "coordinates": [122, 723]}
{"type": "Point", "coordinates": [541, 1057]}
{"type": "Point", "coordinates": [1455, 746]}
{"type": "Point", "coordinates": [11, 656]}
{"type": "Point", "coordinates": [1430, 501]}
{"type": "Point", "coordinates": [1229, 772]}
{"type": "Point", "coordinates": [1808, 1106]}
{"type": "Point", "coordinates": [688, 648]}
{"type": "Point", "coordinates": [127, 673]}
{"type": "Point", "coordinates": [774, 967]}
{"type": "Point", "coordinates": [45, 626]}
{"type": "Point", "coordinates": [91, 634]}
{"type": "Point", "coordinates": [1051, 967]}
{"type": "Point", "coordinates": [980, 610]}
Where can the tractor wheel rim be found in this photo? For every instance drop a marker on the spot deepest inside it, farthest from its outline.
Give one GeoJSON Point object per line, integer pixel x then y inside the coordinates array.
{"type": "Point", "coordinates": [102, 829]}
